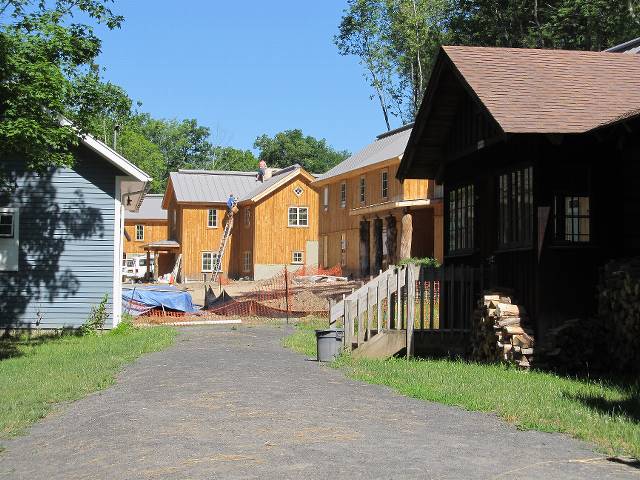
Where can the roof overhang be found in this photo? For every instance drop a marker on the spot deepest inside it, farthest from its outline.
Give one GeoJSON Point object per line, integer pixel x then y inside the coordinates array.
{"type": "Point", "coordinates": [162, 245]}
{"type": "Point", "coordinates": [397, 205]}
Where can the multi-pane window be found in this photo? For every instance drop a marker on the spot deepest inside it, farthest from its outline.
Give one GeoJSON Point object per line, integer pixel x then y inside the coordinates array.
{"type": "Point", "coordinates": [515, 197]}
{"type": "Point", "coordinates": [212, 218]}
{"type": "Point", "coordinates": [363, 189]}
{"type": "Point", "coordinates": [343, 194]}
{"type": "Point", "coordinates": [210, 262]}
{"type": "Point", "coordinates": [246, 261]}
{"type": "Point", "coordinates": [247, 217]}
{"type": "Point", "coordinates": [572, 218]}
{"type": "Point", "coordinates": [298, 216]}
{"type": "Point", "coordinates": [461, 216]}
{"type": "Point", "coordinates": [139, 233]}
{"type": "Point", "coordinates": [296, 257]}
{"type": "Point", "coordinates": [384, 187]}
{"type": "Point", "coordinates": [6, 225]}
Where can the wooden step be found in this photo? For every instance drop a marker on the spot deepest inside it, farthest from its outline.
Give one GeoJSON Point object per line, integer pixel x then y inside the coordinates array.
{"type": "Point", "coordinates": [383, 345]}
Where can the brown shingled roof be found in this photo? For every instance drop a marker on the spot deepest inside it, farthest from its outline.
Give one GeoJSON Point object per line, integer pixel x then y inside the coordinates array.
{"type": "Point", "coordinates": [551, 91]}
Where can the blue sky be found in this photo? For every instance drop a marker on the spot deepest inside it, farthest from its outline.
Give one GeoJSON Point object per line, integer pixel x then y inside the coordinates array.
{"type": "Point", "coordinates": [243, 68]}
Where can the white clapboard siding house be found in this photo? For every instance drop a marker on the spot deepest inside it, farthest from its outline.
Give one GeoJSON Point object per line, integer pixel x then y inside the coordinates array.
{"type": "Point", "coordinates": [61, 237]}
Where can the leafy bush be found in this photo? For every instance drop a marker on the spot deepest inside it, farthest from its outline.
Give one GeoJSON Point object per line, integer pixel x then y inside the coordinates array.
{"type": "Point", "coordinates": [97, 318]}
{"type": "Point", "coordinates": [425, 261]}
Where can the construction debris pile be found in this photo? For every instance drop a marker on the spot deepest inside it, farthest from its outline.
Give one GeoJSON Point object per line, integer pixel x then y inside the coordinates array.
{"type": "Point", "coordinates": [499, 332]}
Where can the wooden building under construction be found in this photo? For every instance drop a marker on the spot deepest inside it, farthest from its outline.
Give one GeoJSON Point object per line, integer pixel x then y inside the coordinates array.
{"type": "Point", "coordinates": [363, 208]}
{"type": "Point", "coordinates": [275, 225]}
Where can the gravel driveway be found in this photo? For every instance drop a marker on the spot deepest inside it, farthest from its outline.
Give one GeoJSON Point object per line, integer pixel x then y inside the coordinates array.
{"type": "Point", "coordinates": [226, 404]}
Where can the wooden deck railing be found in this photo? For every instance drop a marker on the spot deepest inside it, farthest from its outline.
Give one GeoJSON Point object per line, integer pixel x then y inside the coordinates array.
{"type": "Point", "coordinates": [412, 298]}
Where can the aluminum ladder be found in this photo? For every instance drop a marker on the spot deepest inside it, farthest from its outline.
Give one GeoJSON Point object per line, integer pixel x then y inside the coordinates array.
{"type": "Point", "coordinates": [217, 267]}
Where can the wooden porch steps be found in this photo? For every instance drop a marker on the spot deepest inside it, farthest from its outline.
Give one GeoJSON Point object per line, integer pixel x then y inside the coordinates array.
{"type": "Point", "coordinates": [383, 345]}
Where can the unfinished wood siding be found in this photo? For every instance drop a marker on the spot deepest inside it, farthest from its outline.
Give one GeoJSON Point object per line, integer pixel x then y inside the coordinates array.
{"type": "Point", "coordinates": [242, 236]}
{"type": "Point", "coordinates": [66, 243]}
{"type": "Point", "coordinates": [275, 240]}
{"type": "Point", "coordinates": [335, 220]}
{"type": "Point", "coordinates": [154, 230]}
{"type": "Point", "coordinates": [197, 237]}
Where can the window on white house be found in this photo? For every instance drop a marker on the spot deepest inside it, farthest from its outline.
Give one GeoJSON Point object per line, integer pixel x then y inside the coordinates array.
{"type": "Point", "coordinates": [139, 233]}
{"type": "Point", "coordinates": [343, 194]}
{"type": "Point", "coordinates": [298, 216]}
{"type": "Point", "coordinates": [297, 258]}
{"type": "Point", "coordinates": [212, 218]}
{"type": "Point", "coordinates": [363, 190]}
{"type": "Point", "coordinates": [7, 225]}
{"type": "Point", "coordinates": [384, 187]}
{"type": "Point", "coordinates": [325, 197]}
{"type": "Point", "coordinates": [210, 261]}
{"type": "Point", "coordinates": [572, 218]}
{"type": "Point", "coordinates": [247, 217]}
{"type": "Point", "coordinates": [246, 261]}
{"type": "Point", "coordinates": [461, 218]}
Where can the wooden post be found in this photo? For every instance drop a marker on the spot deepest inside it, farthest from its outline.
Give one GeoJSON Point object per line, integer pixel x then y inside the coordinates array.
{"type": "Point", "coordinates": [379, 302]}
{"type": "Point", "coordinates": [411, 308]}
{"type": "Point", "coordinates": [421, 287]}
{"type": "Point", "coordinates": [348, 326]}
{"type": "Point", "coordinates": [398, 298]}
{"type": "Point", "coordinates": [389, 273]}
{"type": "Point", "coordinates": [148, 274]}
{"type": "Point", "coordinates": [286, 291]}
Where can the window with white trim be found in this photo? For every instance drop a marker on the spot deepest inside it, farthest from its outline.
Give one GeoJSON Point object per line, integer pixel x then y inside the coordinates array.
{"type": "Point", "coordinates": [212, 218]}
{"type": "Point", "coordinates": [298, 216]}
{"type": "Point", "coordinates": [363, 189]}
{"type": "Point", "coordinates": [246, 261]}
{"type": "Point", "coordinates": [139, 233]}
{"type": "Point", "coordinates": [384, 187]}
{"type": "Point", "coordinates": [325, 197]}
{"type": "Point", "coordinates": [297, 258]}
{"type": "Point", "coordinates": [7, 220]}
{"type": "Point", "coordinates": [210, 261]}
{"type": "Point", "coordinates": [343, 194]}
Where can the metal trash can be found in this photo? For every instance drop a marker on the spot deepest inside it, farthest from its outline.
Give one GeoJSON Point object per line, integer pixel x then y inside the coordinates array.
{"type": "Point", "coordinates": [328, 344]}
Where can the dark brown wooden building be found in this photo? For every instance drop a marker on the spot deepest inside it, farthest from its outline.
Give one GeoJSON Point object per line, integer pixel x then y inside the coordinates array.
{"type": "Point", "coordinates": [539, 154]}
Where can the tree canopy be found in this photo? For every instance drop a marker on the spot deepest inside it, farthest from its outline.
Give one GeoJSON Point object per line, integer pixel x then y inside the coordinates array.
{"type": "Point", "coordinates": [396, 40]}
{"type": "Point", "coordinates": [47, 69]}
{"type": "Point", "coordinates": [292, 146]}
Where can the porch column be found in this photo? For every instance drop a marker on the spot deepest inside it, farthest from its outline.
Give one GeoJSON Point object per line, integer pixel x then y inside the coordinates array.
{"type": "Point", "coordinates": [148, 274]}
{"type": "Point", "coordinates": [364, 248]}
{"type": "Point", "coordinates": [377, 245]}
{"type": "Point", "coordinates": [407, 234]}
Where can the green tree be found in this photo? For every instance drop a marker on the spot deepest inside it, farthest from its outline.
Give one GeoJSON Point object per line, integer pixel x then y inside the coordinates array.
{"type": "Point", "coordinates": [47, 69]}
{"type": "Point", "coordinates": [292, 146]}
{"type": "Point", "coordinates": [141, 151]}
{"type": "Point", "coordinates": [229, 158]}
{"type": "Point", "coordinates": [396, 42]}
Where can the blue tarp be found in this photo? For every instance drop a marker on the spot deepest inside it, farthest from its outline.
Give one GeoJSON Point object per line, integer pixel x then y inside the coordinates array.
{"type": "Point", "coordinates": [140, 299]}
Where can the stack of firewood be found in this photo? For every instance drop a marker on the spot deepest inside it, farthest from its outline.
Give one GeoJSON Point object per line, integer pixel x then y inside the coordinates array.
{"type": "Point", "coordinates": [499, 333]}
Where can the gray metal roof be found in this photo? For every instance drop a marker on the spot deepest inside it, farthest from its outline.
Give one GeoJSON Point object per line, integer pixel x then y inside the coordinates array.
{"type": "Point", "coordinates": [214, 186]}
{"type": "Point", "coordinates": [632, 46]}
{"type": "Point", "coordinates": [151, 209]}
{"type": "Point", "coordinates": [387, 146]}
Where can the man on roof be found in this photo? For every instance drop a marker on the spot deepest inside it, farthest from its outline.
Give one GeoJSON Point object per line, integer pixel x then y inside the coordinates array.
{"type": "Point", "coordinates": [262, 169]}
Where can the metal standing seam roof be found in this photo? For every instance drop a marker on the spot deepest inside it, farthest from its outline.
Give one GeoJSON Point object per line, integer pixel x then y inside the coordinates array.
{"type": "Point", "coordinates": [632, 46]}
{"type": "Point", "coordinates": [386, 146]}
{"type": "Point", "coordinates": [214, 186]}
{"type": "Point", "coordinates": [551, 91]}
{"type": "Point", "coordinates": [150, 209]}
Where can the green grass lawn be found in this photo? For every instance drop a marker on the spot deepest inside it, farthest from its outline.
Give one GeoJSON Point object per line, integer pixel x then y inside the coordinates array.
{"type": "Point", "coordinates": [304, 339]}
{"type": "Point", "coordinates": [36, 374]}
{"type": "Point", "coordinates": [600, 412]}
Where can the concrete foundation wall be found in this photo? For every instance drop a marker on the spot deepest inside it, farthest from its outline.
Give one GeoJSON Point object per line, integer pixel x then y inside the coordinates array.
{"type": "Point", "coordinates": [264, 271]}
